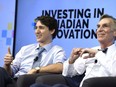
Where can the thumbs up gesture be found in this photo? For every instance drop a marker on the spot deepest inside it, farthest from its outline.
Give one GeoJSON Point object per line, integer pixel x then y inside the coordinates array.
{"type": "Point", "coordinates": [8, 58]}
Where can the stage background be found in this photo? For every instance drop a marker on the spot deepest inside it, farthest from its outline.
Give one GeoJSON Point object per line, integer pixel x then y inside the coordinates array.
{"type": "Point", "coordinates": [77, 21]}
{"type": "Point", "coordinates": [7, 20]}
{"type": "Point", "coordinates": [91, 10]}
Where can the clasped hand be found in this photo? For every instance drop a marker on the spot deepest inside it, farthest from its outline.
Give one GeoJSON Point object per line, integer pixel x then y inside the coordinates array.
{"type": "Point", "coordinates": [78, 52]}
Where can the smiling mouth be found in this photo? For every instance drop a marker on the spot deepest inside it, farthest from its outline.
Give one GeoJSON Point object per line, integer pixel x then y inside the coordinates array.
{"type": "Point", "coordinates": [100, 34]}
{"type": "Point", "coordinates": [38, 36]}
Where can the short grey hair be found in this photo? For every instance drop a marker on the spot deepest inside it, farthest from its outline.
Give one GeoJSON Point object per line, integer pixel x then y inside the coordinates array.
{"type": "Point", "coordinates": [111, 17]}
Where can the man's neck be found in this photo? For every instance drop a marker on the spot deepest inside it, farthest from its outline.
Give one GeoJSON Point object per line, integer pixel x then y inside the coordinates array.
{"type": "Point", "coordinates": [43, 44]}
{"type": "Point", "coordinates": [105, 45]}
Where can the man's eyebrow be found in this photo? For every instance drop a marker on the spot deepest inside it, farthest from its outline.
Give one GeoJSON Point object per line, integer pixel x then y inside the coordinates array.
{"type": "Point", "coordinates": [98, 24]}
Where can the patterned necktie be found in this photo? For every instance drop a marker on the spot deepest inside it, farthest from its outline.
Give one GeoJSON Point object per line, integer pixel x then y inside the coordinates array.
{"type": "Point", "coordinates": [38, 58]}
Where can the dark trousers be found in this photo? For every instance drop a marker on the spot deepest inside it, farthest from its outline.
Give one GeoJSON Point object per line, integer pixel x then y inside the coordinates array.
{"type": "Point", "coordinates": [57, 80]}
{"type": "Point", "coordinates": [51, 79]}
{"type": "Point", "coordinates": [74, 81]}
{"type": "Point", "coordinates": [22, 81]}
{"type": "Point", "coordinates": [4, 78]}
{"type": "Point", "coordinates": [44, 85]}
{"type": "Point", "coordinates": [27, 80]}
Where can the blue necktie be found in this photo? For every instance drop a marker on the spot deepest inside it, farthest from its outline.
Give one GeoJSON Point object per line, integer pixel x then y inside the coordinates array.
{"type": "Point", "coordinates": [37, 60]}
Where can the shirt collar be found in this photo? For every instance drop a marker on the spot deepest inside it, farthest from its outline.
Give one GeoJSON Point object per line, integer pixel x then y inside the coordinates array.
{"type": "Point", "coordinates": [47, 47]}
{"type": "Point", "coordinates": [111, 49]}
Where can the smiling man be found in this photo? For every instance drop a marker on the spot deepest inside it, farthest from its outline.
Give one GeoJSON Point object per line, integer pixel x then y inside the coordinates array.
{"type": "Point", "coordinates": [97, 62]}
{"type": "Point", "coordinates": [40, 57]}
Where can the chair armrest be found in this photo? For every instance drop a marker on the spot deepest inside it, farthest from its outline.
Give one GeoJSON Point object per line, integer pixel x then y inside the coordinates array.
{"type": "Point", "coordinates": [100, 82]}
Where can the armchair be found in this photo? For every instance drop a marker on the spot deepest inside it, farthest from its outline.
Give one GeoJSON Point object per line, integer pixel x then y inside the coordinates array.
{"type": "Point", "coordinates": [100, 82]}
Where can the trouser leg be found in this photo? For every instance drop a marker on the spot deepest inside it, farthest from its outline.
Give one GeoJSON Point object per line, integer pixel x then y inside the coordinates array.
{"type": "Point", "coordinates": [40, 85]}
{"type": "Point", "coordinates": [44, 85]}
{"type": "Point", "coordinates": [27, 80]}
{"type": "Point", "coordinates": [51, 79]}
{"type": "Point", "coordinates": [4, 78]}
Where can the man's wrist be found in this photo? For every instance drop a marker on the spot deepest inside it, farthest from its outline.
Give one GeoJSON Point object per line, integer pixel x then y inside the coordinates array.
{"type": "Point", "coordinates": [37, 69]}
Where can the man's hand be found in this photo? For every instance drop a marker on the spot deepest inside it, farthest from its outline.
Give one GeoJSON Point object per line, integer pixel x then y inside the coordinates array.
{"type": "Point", "coordinates": [90, 51]}
{"type": "Point", "coordinates": [8, 58]}
{"type": "Point", "coordinates": [74, 55]}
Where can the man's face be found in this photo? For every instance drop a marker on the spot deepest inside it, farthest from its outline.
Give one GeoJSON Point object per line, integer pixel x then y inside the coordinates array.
{"type": "Point", "coordinates": [43, 34]}
{"type": "Point", "coordinates": [105, 34]}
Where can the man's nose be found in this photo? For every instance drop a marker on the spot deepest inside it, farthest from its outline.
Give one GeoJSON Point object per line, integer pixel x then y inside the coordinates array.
{"type": "Point", "coordinates": [37, 30]}
{"type": "Point", "coordinates": [100, 28]}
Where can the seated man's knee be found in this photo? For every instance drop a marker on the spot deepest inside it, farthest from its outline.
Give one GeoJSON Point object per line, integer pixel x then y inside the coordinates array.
{"type": "Point", "coordinates": [25, 80]}
{"type": "Point", "coordinates": [51, 79]}
{"type": "Point", "coordinates": [60, 85]}
{"type": "Point", "coordinates": [39, 85]}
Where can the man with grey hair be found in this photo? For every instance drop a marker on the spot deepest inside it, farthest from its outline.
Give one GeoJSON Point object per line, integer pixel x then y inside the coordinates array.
{"type": "Point", "coordinates": [98, 61]}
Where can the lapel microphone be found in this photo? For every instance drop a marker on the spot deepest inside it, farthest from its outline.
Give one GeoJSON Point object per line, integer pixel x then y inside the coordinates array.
{"type": "Point", "coordinates": [36, 58]}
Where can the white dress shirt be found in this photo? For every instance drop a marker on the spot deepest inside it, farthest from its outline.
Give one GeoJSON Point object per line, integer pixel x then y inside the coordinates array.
{"type": "Point", "coordinates": [105, 65]}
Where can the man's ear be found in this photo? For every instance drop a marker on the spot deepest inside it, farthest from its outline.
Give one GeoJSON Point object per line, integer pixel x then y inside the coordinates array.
{"type": "Point", "coordinates": [52, 31]}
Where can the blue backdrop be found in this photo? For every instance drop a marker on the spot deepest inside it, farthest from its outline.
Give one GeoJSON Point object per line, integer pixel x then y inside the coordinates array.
{"type": "Point", "coordinates": [7, 19]}
{"type": "Point", "coordinates": [77, 20]}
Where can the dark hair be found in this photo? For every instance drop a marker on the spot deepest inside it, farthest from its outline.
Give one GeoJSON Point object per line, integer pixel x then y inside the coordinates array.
{"type": "Point", "coordinates": [50, 22]}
